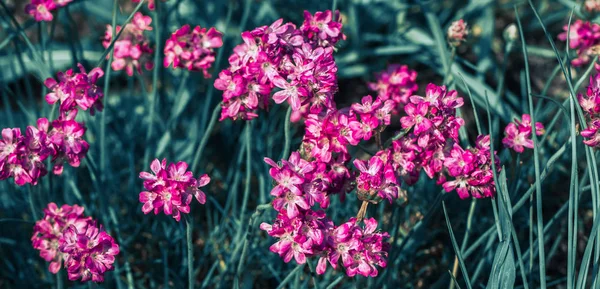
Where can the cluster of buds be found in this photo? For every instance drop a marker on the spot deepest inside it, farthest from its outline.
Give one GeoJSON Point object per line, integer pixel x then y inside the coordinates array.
{"type": "Point", "coordinates": [590, 103]}
{"type": "Point", "coordinates": [66, 236]}
{"type": "Point", "coordinates": [22, 156]}
{"type": "Point", "coordinates": [299, 62]}
{"type": "Point", "coordinates": [585, 38]}
{"type": "Point", "coordinates": [458, 32]}
{"type": "Point", "coordinates": [192, 49]}
{"type": "Point", "coordinates": [132, 50]}
{"type": "Point", "coordinates": [170, 189]}
{"type": "Point", "coordinates": [41, 10]}
{"type": "Point", "coordinates": [517, 134]}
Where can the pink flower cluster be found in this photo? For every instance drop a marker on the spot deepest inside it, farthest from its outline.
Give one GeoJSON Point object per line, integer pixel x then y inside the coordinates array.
{"type": "Point", "coordinates": [41, 10]}
{"type": "Point", "coordinates": [131, 50]}
{"type": "Point", "coordinates": [517, 135]}
{"type": "Point", "coordinates": [22, 156]}
{"type": "Point", "coordinates": [585, 38]}
{"type": "Point", "coordinates": [192, 49]}
{"type": "Point", "coordinates": [75, 91]}
{"type": "Point", "coordinates": [377, 178]}
{"type": "Point", "coordinates": [361, 249]}
{"type": "Point", "coordinates": [66, 235]}
{"type": "Point", "coordinates": [431, 124]}
{"type": "Point", "coordinates": [298, 62]}
{"type": "Point", "coordinates": [471, 170]}
{"type": "Point", "coordinates": [170, 189]}
{"type": "Point", "coordinates": [592, 6]}
{"type": "Point", "coordinates": [590, 103]}
{"type": "Point", "coordinates": [458, 32]}
{"type": "Point", "coordinates": [397, 83]}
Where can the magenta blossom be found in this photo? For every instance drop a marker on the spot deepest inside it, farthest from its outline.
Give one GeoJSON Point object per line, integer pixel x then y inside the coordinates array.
{"type": "Point", "coordinates": [517, 135]}
{"type": "Point", "coordinates": [170, 189]}
{"type": "Point", "coordinates": [76, 90]}
{"type": "Point", "coordinates": [132, 50]}
{"type": "Point", "coordinates": [64, 235]}
{"type": "Point", "coordinates": [192, 49]}
{"type": "Point", "coordinates": [293, 65]}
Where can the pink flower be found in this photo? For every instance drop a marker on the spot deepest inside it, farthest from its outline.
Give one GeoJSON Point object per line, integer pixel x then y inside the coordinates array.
{"type": "Point", "coordinates": [396, 83]}
{"type": "Point", "coordinates": [170, 189]}
{"type": "Point", "coordinates": [90, 252]}
{"type": "Point", "coordinates": [289, 92]}
{"type": "Point", "coordinates": [294, 60]}
{"type": "Point", "coordinates": [592, 134]}
{"type": "Point", "coordinates": [459, 161]}
{"type": "Point", "coordinates": [325, 28]}
{"type": "Point", "coordinates": [377, 179]}
{"type": "Point", "coordinates": [192, 49]}
{"type": "Point", "coordinates": [41, 10]}
{"type": "Point", "coordinates": [583, 36]}
{"type": "Point", "coordinates": [76, 90]}
{"type": "Point", "coordinates": [65, 235]}
{"type": "Point", "coordinates": [517, 135]}
{"type": "Point", "coordinates": [416, 116]}
{"type": "Point", "coordinates": [132, 49]}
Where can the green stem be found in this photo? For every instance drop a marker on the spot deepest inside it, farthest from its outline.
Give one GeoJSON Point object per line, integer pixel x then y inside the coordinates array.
{"type": "Point", "coordinates": [248, 136]}
{"type": "Point", "coordinates": [536, 160]}
{"type": "Point", "coordinates": [31, 204]}
{"type": "Point", "coordinates": [207, 132]}
{"type": "Point", "coordinates": [103, 162]}
{"type": "Point", "coordinates": [59, 280]}
{"type": "Point", "coordinates": [288, 137]}
{"type": "Point", "coordinates": [154, 93]}
{"type": "Point", "coordinates": [190, 251]}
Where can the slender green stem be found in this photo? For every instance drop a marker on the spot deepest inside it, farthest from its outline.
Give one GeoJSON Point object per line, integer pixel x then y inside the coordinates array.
{"type": "Point", "coordinates": [248, 136]}
{"type": "Point", "coordinates": [207, 132]}
{"type": "Point", "coordinates": [59, 280]}
{"type": "Point", "coordinates": [153, 97]}
{"type": "Point", "coordinates": [103, 158]}
{"type": "Point", "coordinates": [190, 251]}
{"type": "Point", "coordinates": [536, 161]}
{"type": "Point", "coordinates": [290, 276]}
{"type": "Point", "coordinates": [287, 134]}
{"type": "Point", "coordinates": [31, 203]}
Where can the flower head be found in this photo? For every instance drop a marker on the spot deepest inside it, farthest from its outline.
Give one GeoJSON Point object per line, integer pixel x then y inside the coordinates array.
{"type": "Point", "coordinates": [171, 188]}
{"type": "Point", "coordinates": [192, 49]}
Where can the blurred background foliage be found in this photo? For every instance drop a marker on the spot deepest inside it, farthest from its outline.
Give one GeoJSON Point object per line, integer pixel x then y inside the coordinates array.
{"type": "Point", "coordinates": [378, 33]}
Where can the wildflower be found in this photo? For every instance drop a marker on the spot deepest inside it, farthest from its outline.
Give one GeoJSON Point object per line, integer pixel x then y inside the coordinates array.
{"type": "Point", "coordinates": [584, 37]}
{"type": "Point", "coordinates": [377, 178]}
{"type": "Point", "coordinates": [471, 170]}
{"type": "Point", "coordinates": [89, 252]}
{"type": "Point", "coordinates": [324, 28]}
{"type": "Point", "coordinates": [299, 62]}
{"type": "Point", "coordinates": [66, 236]}
{"type": "Point", "coordinates": [192, 49]}
{"type": "Point", "coordinates": [517, 135]}
{"type": "Point", "coordinates": [170, 189]}
{"type": "Point", "coordinates": [397, 83]}
{"type": "Point", "coordinates": [41, 10]}
{"type": "Point", "coordinates": [132, 50]}
{"type": "Point", "coordinates": [457, 32]}
{"type": "Point", "coordinates": [76, 90]}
